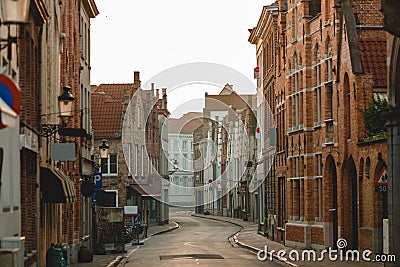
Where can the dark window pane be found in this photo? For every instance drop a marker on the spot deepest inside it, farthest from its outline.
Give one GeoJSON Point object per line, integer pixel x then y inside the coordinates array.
{"type": "Point", "coordinates": [113, 163]}
{"type": "Point", "coordinates": [104, 166]}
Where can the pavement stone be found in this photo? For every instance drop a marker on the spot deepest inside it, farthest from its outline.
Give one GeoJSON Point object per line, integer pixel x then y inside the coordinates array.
{"type": "Point", "coordinates": [249, 238]}
{"type": "Point", "coordinates": [117, 259]}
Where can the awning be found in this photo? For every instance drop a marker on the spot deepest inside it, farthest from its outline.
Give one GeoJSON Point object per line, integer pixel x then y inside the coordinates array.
{"type": "Point", "coordinates": [56, 187]}
{"type": "Point", "coordinates": [142, 192]}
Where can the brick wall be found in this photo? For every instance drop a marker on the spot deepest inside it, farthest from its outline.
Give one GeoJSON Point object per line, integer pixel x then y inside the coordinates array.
{"type": "Point", "coordinates": [70, 76]}
{"type": "Point", "coordinates": [317, 235]}
{"type": "Point", "coordinates": [305, 45]}
{"type": "Point", "coordinates": [295, 233]}
{"type": "Point", "coordinates": [29, 199]}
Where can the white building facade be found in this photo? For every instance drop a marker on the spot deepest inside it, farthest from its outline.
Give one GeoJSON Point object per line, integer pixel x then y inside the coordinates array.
{"type": "Point", "coordinates": [180, 146]}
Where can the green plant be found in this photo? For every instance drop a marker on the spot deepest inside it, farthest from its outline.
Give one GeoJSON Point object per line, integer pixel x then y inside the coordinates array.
{"type": "Point", "coordinates": [374, 123]}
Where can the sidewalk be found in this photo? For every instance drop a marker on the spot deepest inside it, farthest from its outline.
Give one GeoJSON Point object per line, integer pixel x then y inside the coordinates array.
{"type": "Point", "coordinates": [249, 239]}
{"type": "Point", "coordinates": [111, 260]}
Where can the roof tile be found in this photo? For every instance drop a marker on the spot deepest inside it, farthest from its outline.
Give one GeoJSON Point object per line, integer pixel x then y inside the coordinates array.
{"type": "Point", "coordinates": [373, 59]}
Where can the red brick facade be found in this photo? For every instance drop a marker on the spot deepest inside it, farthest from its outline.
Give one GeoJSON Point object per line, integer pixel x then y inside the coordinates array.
{"type": "Point", "coordinates": [329, 62]}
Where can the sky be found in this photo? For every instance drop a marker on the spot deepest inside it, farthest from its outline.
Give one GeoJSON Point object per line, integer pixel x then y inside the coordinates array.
{"type": "Point", "coordinates": [151, 36]}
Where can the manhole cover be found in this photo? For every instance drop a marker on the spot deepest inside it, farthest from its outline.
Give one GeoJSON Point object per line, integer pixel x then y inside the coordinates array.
{"type": "Point", "coordinates": [192, 257]}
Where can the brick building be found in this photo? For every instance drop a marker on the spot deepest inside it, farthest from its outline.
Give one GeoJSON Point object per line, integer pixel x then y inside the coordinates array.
{"type": "Point", "coordinates": [330, 63]}
{"type": "Point", "coordinates": [31, 77]}
{"type": "Point", "coordinates": [128, 118]}
{"type": "Point", "coordinates": [264, 36]}
{"type": "Point", "coordinates": [62, 219]}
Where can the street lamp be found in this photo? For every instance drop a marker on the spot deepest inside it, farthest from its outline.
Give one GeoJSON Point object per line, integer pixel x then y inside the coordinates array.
{"type": "Point", "coordinates": [65, 103]}
{"type": "Point", "coordinates": [12, 12]}
{"type": "Point", "coordinates": [104, 148]}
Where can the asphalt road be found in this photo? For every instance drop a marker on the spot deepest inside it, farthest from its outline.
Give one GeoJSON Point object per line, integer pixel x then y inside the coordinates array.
{"type": "Point", "coordinates": [199, 242]}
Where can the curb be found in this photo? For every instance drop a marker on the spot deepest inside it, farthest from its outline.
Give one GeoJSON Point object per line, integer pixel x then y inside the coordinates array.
{"type": "Point", "coordinates": [177, 225]}
{"type": "Point", "coordinates": [234, 240]}
{"type": "Point", "coordinates": [116, 262]}
{"type": "Point", "coordinates": [215, 219]}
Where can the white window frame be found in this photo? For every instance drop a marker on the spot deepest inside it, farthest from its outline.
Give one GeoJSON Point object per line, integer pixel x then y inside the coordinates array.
{"type": "Point", "coordinates": [116, 196]}
{"type": "Point", "coordinates": [108, 173]}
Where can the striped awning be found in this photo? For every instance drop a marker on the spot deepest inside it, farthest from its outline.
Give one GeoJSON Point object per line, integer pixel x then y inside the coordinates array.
{"type": "Point", "coordinates": [56, 187]}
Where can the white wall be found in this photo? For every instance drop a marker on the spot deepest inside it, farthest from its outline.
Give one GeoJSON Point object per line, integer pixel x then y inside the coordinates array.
{"type": "Point", "coordinates": [10, 209]}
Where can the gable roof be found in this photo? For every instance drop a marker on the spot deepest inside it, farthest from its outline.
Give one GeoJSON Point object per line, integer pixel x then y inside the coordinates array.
{"type": "Point", "coordinates": [185, 124]}
{"type": "Point", "coordinates": [107, 102]}
{"type": "Point", "coordinates": [373, 59]}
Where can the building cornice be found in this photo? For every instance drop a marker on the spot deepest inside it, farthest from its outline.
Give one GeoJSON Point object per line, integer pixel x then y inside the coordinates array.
{"type": "Point", "coordinates": [91, 8]}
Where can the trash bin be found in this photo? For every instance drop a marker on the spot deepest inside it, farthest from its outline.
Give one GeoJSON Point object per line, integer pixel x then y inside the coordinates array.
{"type": "Point", "coordinates": [245, 215]}
{"type": "Point", "coordinates": [54, 257]}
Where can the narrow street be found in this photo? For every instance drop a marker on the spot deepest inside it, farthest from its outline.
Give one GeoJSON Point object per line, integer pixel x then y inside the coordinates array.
{"type": "Point", "coordinates": [198, 241]}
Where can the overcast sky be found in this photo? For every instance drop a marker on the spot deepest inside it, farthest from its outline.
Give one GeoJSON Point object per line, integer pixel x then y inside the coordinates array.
{"type": "Point", "coordinates": [151, 36]}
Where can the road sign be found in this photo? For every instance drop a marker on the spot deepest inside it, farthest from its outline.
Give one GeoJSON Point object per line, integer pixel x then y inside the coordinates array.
{"type": "Point", "coordinates": [98, 183]}
{"type": "Point", "coordinates": [257, 73]}
{"type": "Point", "coordinates": [382, 178]}
{"type": "Point", "coordinates": [10, 96]}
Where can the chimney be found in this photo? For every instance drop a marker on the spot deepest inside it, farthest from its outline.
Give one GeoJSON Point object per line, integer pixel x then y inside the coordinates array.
{"type": "Point", "coordinates": [164, 98]}
{"type": "Point", "coordinates": [158, 93]}
{"type": "Point", "coordinates": [152, 89]}
{"type": "Point", "coordinates": [136, 81]}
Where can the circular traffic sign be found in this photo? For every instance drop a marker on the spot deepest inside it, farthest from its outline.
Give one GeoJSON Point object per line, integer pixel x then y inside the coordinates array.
{"type": "Point", "coordinates": [10, 94]}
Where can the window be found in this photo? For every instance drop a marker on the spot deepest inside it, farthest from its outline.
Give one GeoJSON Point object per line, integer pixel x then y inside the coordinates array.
{"type": "Point", "coordinates": [184, 161]}
{"type": "Point", "coordinates": [148, 165]}
{"type": "Point", "coordinates": [318, 74]}
{"type": "Point", "coordinates": [184, 145]}
{"type": "Point", "coordinates": [281, 201]}
{"type": "Point", "coordinates": [176, 144]}
{"type": "Point", "coordinates": [328, 102]}
{"type": "Point", "coordinates": [318, 159]}
{"type": "Point", "coordinates": [142, 159]}
{"type": "Point", "coordinates": [294, 24]}
{"type": "Point", "coordinates": [319, 187]}
{"type": "Point", "coordinates": [129, 158]}
{"type": "Point", "coordinates": [329, 69]}
{"type": "Point", "coordinates": [318, 100]}
{"type": "Point", "coordinates": [319, 164]}
{"type": "Point", "coordinates": [296, 199]}
{"type": "Point", "coordinates": [109, 166]}
{"type": "Point", "coordinates": [138, 117]}
{"type": "Point", "coordinates": [297, 170]}
{"type": "Point", "coordinates": [136, 159]}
